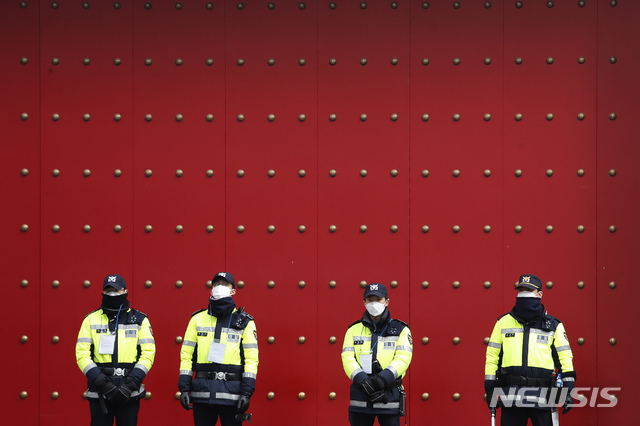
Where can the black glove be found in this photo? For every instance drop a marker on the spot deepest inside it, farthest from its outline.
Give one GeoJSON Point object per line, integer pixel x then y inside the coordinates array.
{"type": "Point", "coordinates": [374, 388]}
{"type": "Point", "coordinates": [489, 392]}
{"type": "Point", "coordinates": [105, 386]}
{"type": "Point", "coordinates": [373, 384]}
{"type": "Point", "coordinates": [568, 404]}
{"type": "Point", "coordinates": [125, 390]}
{"type": "Point", "coordinates": [185, 400]}
{"type": "Point", "coordinates": [243, 403]}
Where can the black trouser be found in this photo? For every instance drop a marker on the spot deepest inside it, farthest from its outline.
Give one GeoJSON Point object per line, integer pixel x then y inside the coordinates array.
{"type": "Point", "coordinates": [362, 419]}
{"type": "Point", "coordinates": [125, 415]}
{"type": "Point", "coordinates": [519, 417]}
{"type": "Point", "coordinates": [207, 415]}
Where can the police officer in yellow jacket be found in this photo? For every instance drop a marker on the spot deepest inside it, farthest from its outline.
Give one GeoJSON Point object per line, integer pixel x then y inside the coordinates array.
{"type": "Point", "coordinates": [221, 347]}
{"type": "Point", "coordinates": [376, 353]}
{"type": "Point", "coordinates": [115, 351]}
{"type": "Point", "coordinates": [526, 346]}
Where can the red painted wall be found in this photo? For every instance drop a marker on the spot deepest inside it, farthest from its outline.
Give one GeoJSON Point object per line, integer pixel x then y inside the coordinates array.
{"type": "Point", "coordinates": [441, 148]}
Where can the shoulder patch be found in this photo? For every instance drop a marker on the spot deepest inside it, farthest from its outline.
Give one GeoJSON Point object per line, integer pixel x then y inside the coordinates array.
{"type": "Point", "coordinates": [198, 311]}
{"type": "Point", "coordinates": [240, 319]}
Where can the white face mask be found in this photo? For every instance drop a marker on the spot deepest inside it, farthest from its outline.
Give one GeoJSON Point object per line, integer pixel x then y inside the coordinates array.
{"type": "Point", "coordinates": [375, 308]}
{"type": "Point", "coordinates": [112, 293]}
{"type": "Point", "coordinates": [220, 291]}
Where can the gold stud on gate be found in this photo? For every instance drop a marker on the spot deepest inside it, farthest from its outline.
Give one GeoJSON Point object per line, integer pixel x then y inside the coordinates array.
{"type": "Point", "coordinates": [456, 5]}
{"type": "Point", "coordinates": [456, 340]}
{"type": "Point", "coordinates": [456, 284]}
{"type": "Point", "coordinates": [549, 4]}
{"type": "Point", "coordinates": [549, 284]}
{"type": "Point", "coordinates": [612, 229]}
{"type": "Point", "coordinates": [302, 284]}
{"type": "Point", "coordinates": [24, 227]}
{"type": "Point", "coordinates": [456, 173]}
{"type": "Point", "coordinates": [302, 117]}
{"type": "Point", "coordinates": [456, 61]}
{"type": "Point", "coordinates": [425, 117]}
{"type": "Point", "coordinates": [613, 59]}
{"type": "Point", "coordinates": [302, 62]}
{"type": "Point", "coordinates": [580, 228]}
{"type": "Point", "coordinates": [581, 116]}
{"type": "Point", "coordinates": [24, 116]}
{"type": "Point", "coordinates": [55, 283]}
{"type": "Point", "coordinates": [209, 62]}
{"type": "Point", "coordinates": [549, 60]}
{"type": "Point", "coordinates": [581, 60]}
{"type": "Point", "coordinates": [612, 285]}
{"type": "Point", "coordinates": [301, 340]}
{"type": "Point", "coordinates": [271, 173]}
{"type": "Point", "coordinates": [24, 172]}
{"type": "Point", "coordinates": [549, 117]}
{"type": "Point", "coordinates": [394, 228]}
{"type": "Point", "coordinates": [518, 229]}
{"type": "Point", "coordinates": [271, 117]}
{"type": "Point", "coordinates": [394, 117]}
{"type": "Point", "coordinates": [271, 340]}
{"type": "Point", "coordinates": [363, 228]}
{"type": "Point", "coordinates": [240, 229]}
{"type": "Point", "coordinates": [425, 396]}
{"type": "Point", "coordinates": [179, 6]}
{"type": "Point", "coordinates": [240, 62]}
{"type": "Point", "coordinates": [332, 284]}
{"type": "Point", "coordinates": [549, 229]}
{"type": "Point", "coordinates": [425, 173]}
{"type": "Point", "coordinates": [363, 61]}
{"type": "Point", "coordinates": [271, 284]}
{"type": "Point", "coordinates": [148, 173]}
{"type": "Point", "coordinates": [487, 173]}
{"type": "Point", "coordinates": [24, 339]}
{"type": "Point", "coordinates": [240, 173]}
{"type": "Point", "coordinates": [456, 117]}
{"type": "Point", "coordinates": [148, 284]}
{"type": "Point", "coordinates": [240, 6]}
{"type": "Point", "coordinates": [363, 117]}
{"type": "Point", "coordinates": [613, 3]}
{"type": "Point", "coordinates": [55, 228]}
{"type": "Point", "coordinates": [487, 61]}
{"type": "Point", "coordinates": [148, 229]}
{"type": "Point", "coordinates": [86, 283]}
{"type": "Point", "coordinates": [518, 117]}
{"type": "Point", "coordinates": [487, 5]}
{"type": "Point", "coordinates": [425, 229]}
{"type": "Point", "coordinates": [271, 229]}
{"type": "Point", "coordinates": [612, 172]}
{"type": "Point", "coordinates": [271, 395]}
{"type": "Point", "coordinates": [86, 228]}
{"type": "Point", "coordinates": [179, 117]}
{"type": "Point", "coordinates": [55, 117]}
{"type": "Point", "coordinates": [486, 229]}
{"type": "Point", "coordinates": [333, 61]}
{"type": "Point", "coordinates": [363, 284]}
{"type": "Point", "coordinates": [240, 117]}
{"type": "Point", "coordinates": [581, 3]}
{"type": "Point", "coordinates": [86, 61]}
{"type": "Point", "coordinates": [580, 285]}
{"type": "Point", "coordinates": [518, 61]}
{"type": "Point", "coordinates": [179, 228]}
{"type": "Point", "coordinates": [456, 229]}
{"type": "Point", "coordinates": [394, 284]}
{"type": "Point", "coordinates": [613, 341]}
{"type": "Point", "coordinates": [487, 117]}
{"type": "Point", "coordinates": [613, 116]}
{"type": "Point", "coordinates": [333, 228]}
{"type": "Point", "coordinates": [518, 4]}
{"type": "Point", "coordinates": [394, 61]}
{"type": "Point", "coordinates": [179, 284]}
{"type": "Point", "coordinates": [271, 6]}
{"type": "Point", "coordinates": [24, 283]}
{"type": "Point", "coordinates": [425, 284]}
{"type": "Point", "coordinates": [332, 395]}
{"type": "Point", "coordinates": [425, 340]}
{"type": "Point", "coordinates": [148, 117]}
{"type": "Point", "coordinates": [518, 173]}
{"type": "Point", "coordinates": [549, 172]}
{"type": "Point", "coordinates": [55, 339]}
{"type": "Point", "coordinates": [117, 117]}
{"type": "Point", "coordinates": [117, 228]}
{"type": "Point", "coordinates": [333, 340]}
{"type": "Point", "coordinates": [486, 340]}
{"type": "Point", "coordinates": [116, 6]}
{"type": "Point", "coordinates": [302, 229]}
{"type": "Point", "coordinates": [55, 395]}
{"type": "Point", "coordinates": [487, 284]}
{"type": "Point", "coordinates": [363, 172]}
{"type": "Point", "coordinates": [456, 396]}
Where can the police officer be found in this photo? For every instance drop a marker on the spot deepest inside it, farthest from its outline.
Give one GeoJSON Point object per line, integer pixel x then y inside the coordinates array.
{"type": "Point", "coordinates": [221, 347]}
{"type": "Point", "coordinates": [115, 351]}
{"type": "Point", "coordinates": [525, 348]}
{"type": "Point", "coordinates": [376, 353]}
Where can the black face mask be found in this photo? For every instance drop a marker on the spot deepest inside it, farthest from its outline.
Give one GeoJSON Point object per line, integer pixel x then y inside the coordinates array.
{"type": "Point", "coordinates": [110, 303]}
{"type": "Point", "coordinates": [221, 307]}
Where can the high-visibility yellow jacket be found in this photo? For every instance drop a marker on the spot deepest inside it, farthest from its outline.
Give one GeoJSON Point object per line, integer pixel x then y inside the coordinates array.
{"type": "Point", "coordinates": [219, 380]}
{"type": "Point", "coordinates": [524, 354]}
{"type": "Point", "coordinates": [133, 354]}
{"type": "Point", "coordinates": [392, 349]}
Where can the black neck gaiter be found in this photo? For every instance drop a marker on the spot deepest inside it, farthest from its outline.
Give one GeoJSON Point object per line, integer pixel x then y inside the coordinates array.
{"type": "Point", "coordinates": [219, 308]}
{"type": "Point", "coordinates": [111, 304]}
{"type": "Point", "coordinates": [528, 308]}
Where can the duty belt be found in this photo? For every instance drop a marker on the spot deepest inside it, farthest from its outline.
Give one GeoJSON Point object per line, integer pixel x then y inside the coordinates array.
{"type": "Point", "coordinates": [528, 381]}
{"type": "Point", "coordinates": [121, 372]}
{"type": "Point", "coordinates": [218, 375]}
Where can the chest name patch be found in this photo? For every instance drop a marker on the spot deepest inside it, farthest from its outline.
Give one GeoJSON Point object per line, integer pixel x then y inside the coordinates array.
{"type": "Point", "coordinates": [541, 338]}
{"type": "Point", "coordinates": [510, 335]}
